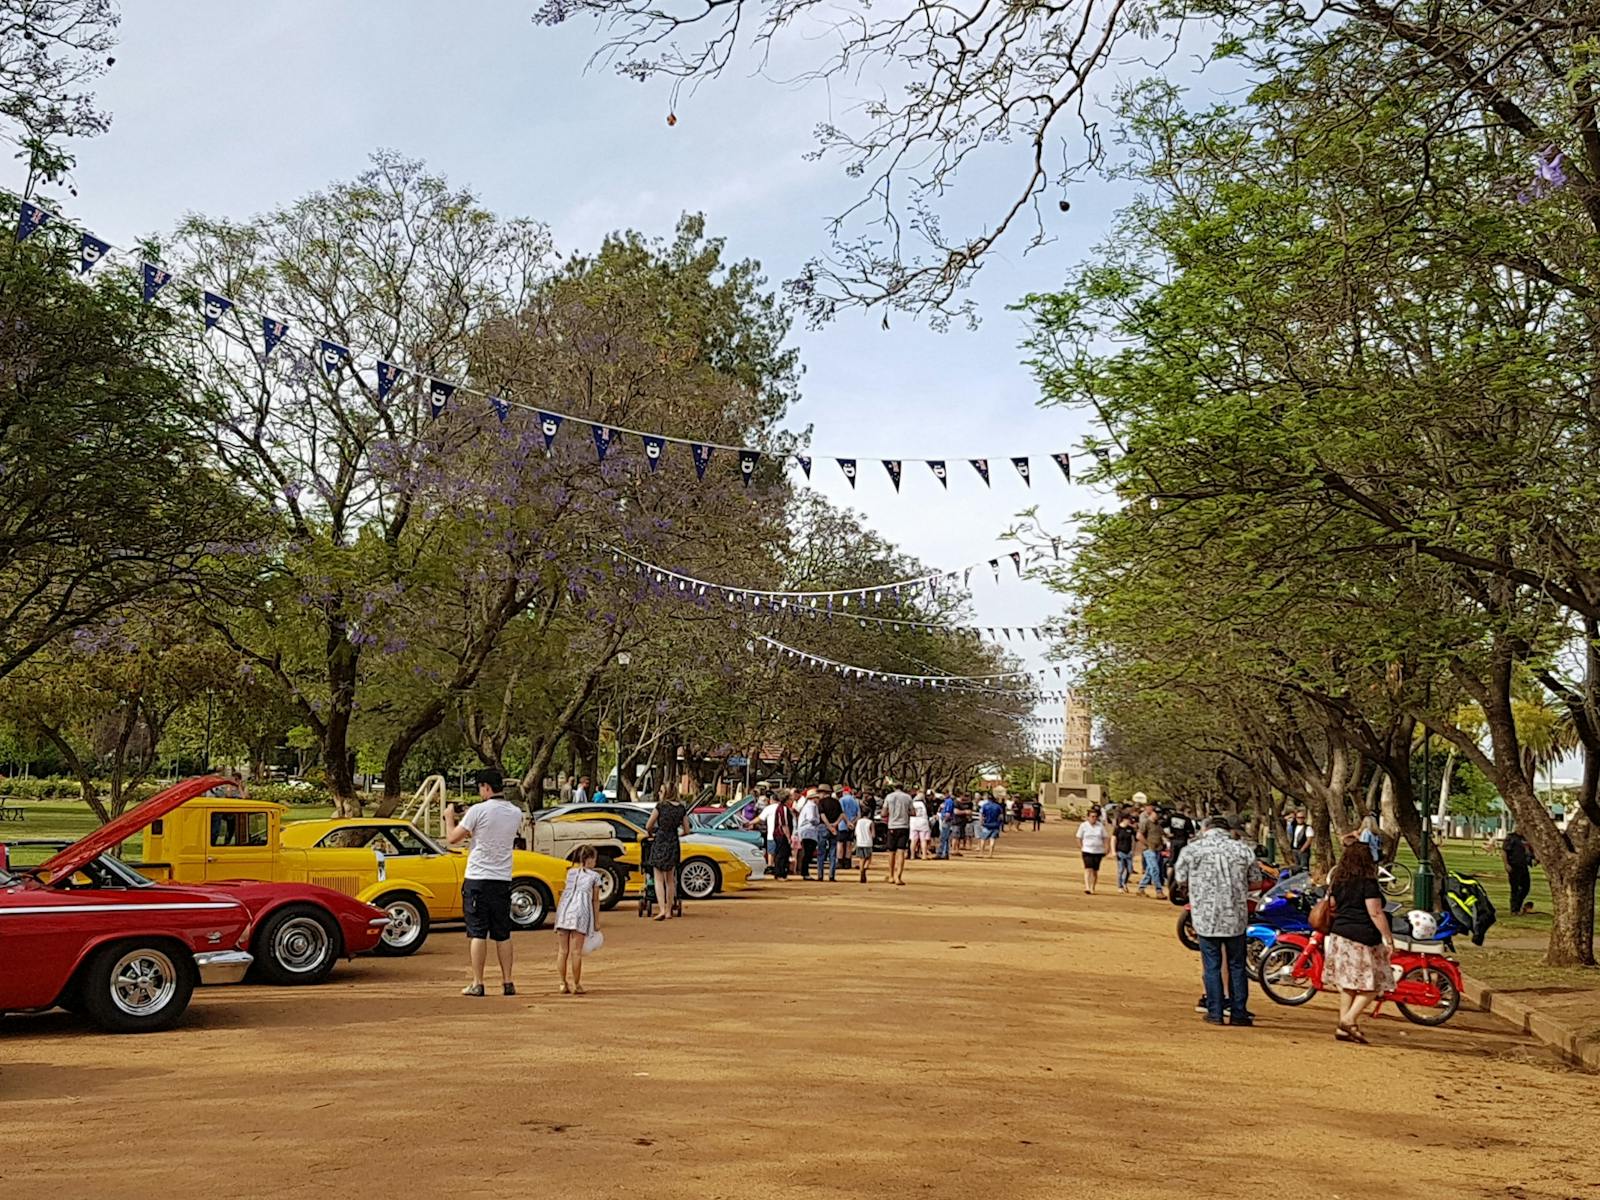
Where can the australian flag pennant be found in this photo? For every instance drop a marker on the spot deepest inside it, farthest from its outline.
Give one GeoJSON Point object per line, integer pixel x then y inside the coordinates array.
{"type": "Point", "coordinates": [805, 463]}
{"type": "Point", "coordinates": [90, 251]}
{"type": "Point", "coordinates": [994, 565]}
{"type": "Point", "coordinates": [273, 332]}
{"type": "Point", "coordinates": [31, 220]}
{"type": "Point", "coordinates": [502, 410]}
{"type": "Point", "coordinates": [212, 308]}
{"type": "Point", "coordinates": [981, 466]}
{"type": "Point", "coordinates": [747, 464]}
{"type": "Point", "coordinates": [966, 577]}
{"type": "Point", "coordinates": [549, 426]}
{"type": "Point", "coordinates": [1016, 560]}
{"type": "Point", "coordinates": [1065, 464]}
{"type": "Point", "coordinates": [892, 465]}
{"type": "Point", "coordinates": [331, 356]}
{"type": "Point", "coordinates": [603, 437]}
{"type": "Point", "coordinates": [388, 378]}
{"type": "Point", "coordinates": [1101, 453]}
{"type": "Point", "coordinates": [154, 280]}
{"type": "Point", "coordinates": [1021, 464]}
{"type": "Point", "coordinates": [848, 466]}
{"type": "Point", "coordinates": [1055, 548]}
{"type": "Point", "coordinates": [653, 446]}
{"type": "Point", "coordinates": [439, 393]}
{"type": "Point", "coordinates": [702, 459]}
{"type": "Point", "coordinates": [936, 465]}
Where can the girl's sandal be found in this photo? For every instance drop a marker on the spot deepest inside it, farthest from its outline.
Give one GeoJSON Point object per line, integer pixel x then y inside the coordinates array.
{"type": "Point", "coordinates": [1358, 1037]}
{"type": "Point", "coordinates": [1341, 1034]}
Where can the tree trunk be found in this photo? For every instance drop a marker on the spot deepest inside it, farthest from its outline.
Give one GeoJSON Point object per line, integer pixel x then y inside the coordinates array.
{"type": "Point", "coordinates": [394, 760]}
{"type": "Point", "coordinates": [1572, 912]}
{"type": "Point", "coordinates": [337, 759]}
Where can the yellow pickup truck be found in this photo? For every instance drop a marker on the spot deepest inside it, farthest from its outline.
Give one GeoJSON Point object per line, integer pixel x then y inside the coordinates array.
{"type": "Point", "coordinates": [391, 864]}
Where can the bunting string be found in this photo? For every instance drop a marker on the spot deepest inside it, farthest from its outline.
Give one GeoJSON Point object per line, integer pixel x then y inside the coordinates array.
{"type": "Point", "coordinates": [981, 684]}
{"type": "Point", "coordinates": [333, 357]}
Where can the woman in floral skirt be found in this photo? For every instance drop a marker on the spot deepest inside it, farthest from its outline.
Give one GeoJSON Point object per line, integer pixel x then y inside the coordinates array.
{"type": "Point", "coordinates": [1360, 941]}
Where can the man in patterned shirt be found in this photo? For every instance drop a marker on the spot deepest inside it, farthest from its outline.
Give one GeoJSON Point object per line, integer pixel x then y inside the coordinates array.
{"type": "Point", "coordinates": [1220, 872]}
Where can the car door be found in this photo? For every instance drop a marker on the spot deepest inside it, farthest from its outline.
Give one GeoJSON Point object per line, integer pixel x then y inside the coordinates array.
{"type": "Point", "coordinates": [240, 844]}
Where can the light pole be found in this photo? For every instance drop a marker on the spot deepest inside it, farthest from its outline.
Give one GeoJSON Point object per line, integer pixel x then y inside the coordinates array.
{"type": "Point", "coordinates": [1422, 882]}
{"type": "Point", "coordinates": [623, 660]}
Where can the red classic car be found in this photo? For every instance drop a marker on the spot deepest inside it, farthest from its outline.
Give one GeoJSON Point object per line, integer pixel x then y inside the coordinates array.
{"type": "Point", "coordinates": [86, 932]}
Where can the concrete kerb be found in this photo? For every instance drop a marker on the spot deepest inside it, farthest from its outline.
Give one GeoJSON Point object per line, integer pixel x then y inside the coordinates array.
{"type": "Point", "coordinates": [1582, 1052]}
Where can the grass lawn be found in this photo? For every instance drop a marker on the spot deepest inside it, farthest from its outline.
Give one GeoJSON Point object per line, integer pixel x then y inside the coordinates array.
{"type": "Point", "coordinates": [74, 818]}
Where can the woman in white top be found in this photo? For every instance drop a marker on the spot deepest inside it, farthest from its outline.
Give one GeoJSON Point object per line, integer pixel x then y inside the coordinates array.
{"type": "Point", "coordinates": [921, 828]}
{"type": "Point", "coordinates": [1092, 843]}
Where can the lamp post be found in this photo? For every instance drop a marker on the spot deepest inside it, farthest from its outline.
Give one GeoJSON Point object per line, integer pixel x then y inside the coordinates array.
{"type": "Point", "coordinates": [1422, 881]}
{"type": "Point", "coordinates": [623, 660]}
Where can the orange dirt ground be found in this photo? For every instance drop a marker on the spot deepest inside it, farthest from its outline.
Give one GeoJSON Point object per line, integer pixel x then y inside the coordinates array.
{"type": "Point", "coordinates": [986, 1031]}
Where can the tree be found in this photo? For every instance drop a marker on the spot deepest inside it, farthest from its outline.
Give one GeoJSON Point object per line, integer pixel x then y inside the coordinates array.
{"type": "Point", "coordinates": [108, 496]}
{"type": "Point", "coordinates": [50, 52]}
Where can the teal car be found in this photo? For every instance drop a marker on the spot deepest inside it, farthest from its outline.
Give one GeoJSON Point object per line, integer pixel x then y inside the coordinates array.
{"type": "Point", "coordinates": [729, 824]}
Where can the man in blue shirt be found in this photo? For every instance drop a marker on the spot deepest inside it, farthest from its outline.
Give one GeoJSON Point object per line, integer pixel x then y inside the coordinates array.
{"type": "Point", "coordinates": [947, 825]}
{"type": "Point", "coordinates": [990, 816]}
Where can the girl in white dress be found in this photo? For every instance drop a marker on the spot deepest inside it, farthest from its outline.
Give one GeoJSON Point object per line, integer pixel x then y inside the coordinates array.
{"type": "Point", "coordinates": [577, 916]}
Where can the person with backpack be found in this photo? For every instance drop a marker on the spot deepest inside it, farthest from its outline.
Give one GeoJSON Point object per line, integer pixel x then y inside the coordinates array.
{"type": "Point", "coordinates": [1518, 856]}
{"type": "Point", "coordinates": [1180, 827]}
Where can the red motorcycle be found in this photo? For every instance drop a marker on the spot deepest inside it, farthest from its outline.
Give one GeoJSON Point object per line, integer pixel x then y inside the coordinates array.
{"type": "Point", "coordinates": [1426, 987]}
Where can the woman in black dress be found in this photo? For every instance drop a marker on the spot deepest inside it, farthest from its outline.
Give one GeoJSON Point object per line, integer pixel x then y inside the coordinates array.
{"type": "Point", "coordinates": [668, 821]}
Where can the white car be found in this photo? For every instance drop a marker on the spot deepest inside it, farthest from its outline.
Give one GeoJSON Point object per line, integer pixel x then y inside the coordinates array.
{"type": "Point", "coordinates": [751, 856]}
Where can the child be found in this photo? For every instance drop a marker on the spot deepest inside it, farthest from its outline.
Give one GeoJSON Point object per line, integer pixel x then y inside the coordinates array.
{"type": "Point", "coordinates": [577, 916]}
{"type": "Point", "coordinates": [864, 844]}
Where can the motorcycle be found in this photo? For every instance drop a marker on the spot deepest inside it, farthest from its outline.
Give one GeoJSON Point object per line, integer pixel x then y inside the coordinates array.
{"type": "Point", "coordinates": [1425, 987]}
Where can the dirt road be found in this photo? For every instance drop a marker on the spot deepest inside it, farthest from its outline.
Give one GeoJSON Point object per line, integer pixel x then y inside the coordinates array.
{"type": "Point", "coordinates": [987, 1031]}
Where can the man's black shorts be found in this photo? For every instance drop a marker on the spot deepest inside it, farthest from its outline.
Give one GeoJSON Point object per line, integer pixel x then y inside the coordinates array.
{"type": "Point", "coordinates": [486, 904]}
{"type": "Point", "coordinates": [899, 839]}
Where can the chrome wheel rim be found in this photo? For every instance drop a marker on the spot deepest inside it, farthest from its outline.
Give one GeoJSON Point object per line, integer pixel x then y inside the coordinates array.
{"type": "Point", "coordinates": [608, 886]}
{"type": "Point", "coordinates": [301, 945]}
{"type": "Point", "coordinates": [526, 905]}
{"type": "Point", "coordinates": [143, 982]}
{"type": "Point", "coordinates": [405, 923]}
{"type": "Point", "coordinates": [697, 880]}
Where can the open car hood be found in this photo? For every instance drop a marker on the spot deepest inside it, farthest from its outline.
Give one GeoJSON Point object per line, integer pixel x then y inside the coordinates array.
{"type": "Point", "coordinates": [109, 836]}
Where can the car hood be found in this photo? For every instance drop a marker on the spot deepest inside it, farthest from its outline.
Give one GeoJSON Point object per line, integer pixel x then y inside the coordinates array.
{"type": "Point", "coordinates": [112, 834]}
{"type": "Point", "coordinates": [256, 894]}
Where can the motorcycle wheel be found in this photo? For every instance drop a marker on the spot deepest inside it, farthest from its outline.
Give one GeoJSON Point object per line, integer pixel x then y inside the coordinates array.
{"type": "Point", "coordinates": [1278, 981]}
{"type": "Point", "coordinates": [1449, 997]}
{"type": "Point", "coordinates": [1186, 932]}
{"type": "Point", "coordinates": [1254, 950]}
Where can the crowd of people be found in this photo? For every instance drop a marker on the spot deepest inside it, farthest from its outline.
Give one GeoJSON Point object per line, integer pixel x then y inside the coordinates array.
{"type": "Point", "coordinates": [810, 832]}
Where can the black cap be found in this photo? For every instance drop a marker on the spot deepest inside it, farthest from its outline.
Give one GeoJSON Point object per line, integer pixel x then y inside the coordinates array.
{"type": "Point", "coordinates": [493, 776]}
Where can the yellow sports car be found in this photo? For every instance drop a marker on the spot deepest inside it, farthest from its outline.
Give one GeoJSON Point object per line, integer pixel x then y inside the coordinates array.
{"type": "Point", "coordinates": [425, 877]}
{"type": "Point", "coordinates": [704, 868]}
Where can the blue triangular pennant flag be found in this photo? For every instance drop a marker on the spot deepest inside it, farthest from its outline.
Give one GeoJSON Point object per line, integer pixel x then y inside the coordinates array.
{"type": "Point", "coordinates": [30, 220]}
{"type": "Point", "coordinates": [212, 307]}
{"type": "Point", "coordinates": [936, 465]}
{"type": "Point", "coordinates": [892, 465]}
{"type": "Point", "coordinates": [653, 446]}
{"type": "Point", "coordinates": [273, 332]}
{"type": "Point", "coordinates": [981, 466]}
{"type": "Point", "coordinates": [1021, 464]}
{"type": "Point", "coordinates": [848, 466]}
{"type": "Point", "coordinates": [331, 356]}
{"type": "Point", "coordinates": [702, 458]}
{"type": "Point", "coordinates": [439, 393]}
{"type": "Point", "coordinates": [1065, 464]}
{"type": "Point", "coordinates": [501, 408]}
{"type": "Point", "coordinates": [389, 377]}
{"type": "Point", "coordinates": [603, 436]}
{"type": "Point", "coordinates": [805, 463]}
{"type": "Point", "coordinates": [154, 280]}
{"type": "Point", "coordinates": [90, 251]}
{"type": "Point", "coordinates": [747, 464]}
{"type": "Point", "coordinates": [549, 426]}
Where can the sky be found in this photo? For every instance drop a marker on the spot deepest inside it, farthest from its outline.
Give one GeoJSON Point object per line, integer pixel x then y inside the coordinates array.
{"type": "Point", "coordinates": [230, 110]}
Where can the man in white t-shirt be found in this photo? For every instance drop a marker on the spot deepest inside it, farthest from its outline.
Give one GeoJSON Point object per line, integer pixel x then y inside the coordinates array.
{"type": "Point", "coordinates": [492, 824]}
{"type": "Point", "coordinates": [896, 814]}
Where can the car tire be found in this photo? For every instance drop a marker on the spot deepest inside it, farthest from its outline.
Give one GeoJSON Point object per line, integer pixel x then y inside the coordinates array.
{"type": "Point", "coordinates": [613, 882]}
{"type": "Point", "coordinates": [531, 903]}
{"type": "Point", "coordinates": [409, 922]}
{"type": "Point", "coordinates": [296, 946]}
{"type": "Point", "coordinates": [699, 878]}
{"type": "Point", "coordinates": [137, 986]}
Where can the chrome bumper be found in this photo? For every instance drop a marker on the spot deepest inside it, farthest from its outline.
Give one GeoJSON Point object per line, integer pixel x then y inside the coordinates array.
{"type": "Point", "coordinates": [222, 966]}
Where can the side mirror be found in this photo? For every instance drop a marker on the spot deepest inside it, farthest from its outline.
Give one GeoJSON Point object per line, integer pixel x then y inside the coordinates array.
{"type": "Point", "coordinates": [383, 865]}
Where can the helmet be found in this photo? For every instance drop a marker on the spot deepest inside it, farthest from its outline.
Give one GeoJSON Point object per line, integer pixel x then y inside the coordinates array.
{"type": "Point", "coordinates": [1140, 798]}
{"type": "Point", "coordinates": [1423, 925]}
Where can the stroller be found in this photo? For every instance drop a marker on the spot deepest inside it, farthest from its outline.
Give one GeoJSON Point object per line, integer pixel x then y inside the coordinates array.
{"type": "Point", "coordinates": [647, 891]}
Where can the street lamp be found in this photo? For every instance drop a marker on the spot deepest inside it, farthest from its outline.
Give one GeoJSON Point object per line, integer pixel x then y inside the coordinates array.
{"type": "Point", "coordinates": [1422, 881]}
{"type": "Point", "coordinates": [623, 660]}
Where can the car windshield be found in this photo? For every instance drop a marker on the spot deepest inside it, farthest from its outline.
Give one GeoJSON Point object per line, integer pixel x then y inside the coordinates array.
{"type": "Point", "coordinates": [106, 871]}
{"type": "Point", "coordinates": [395, 841]}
